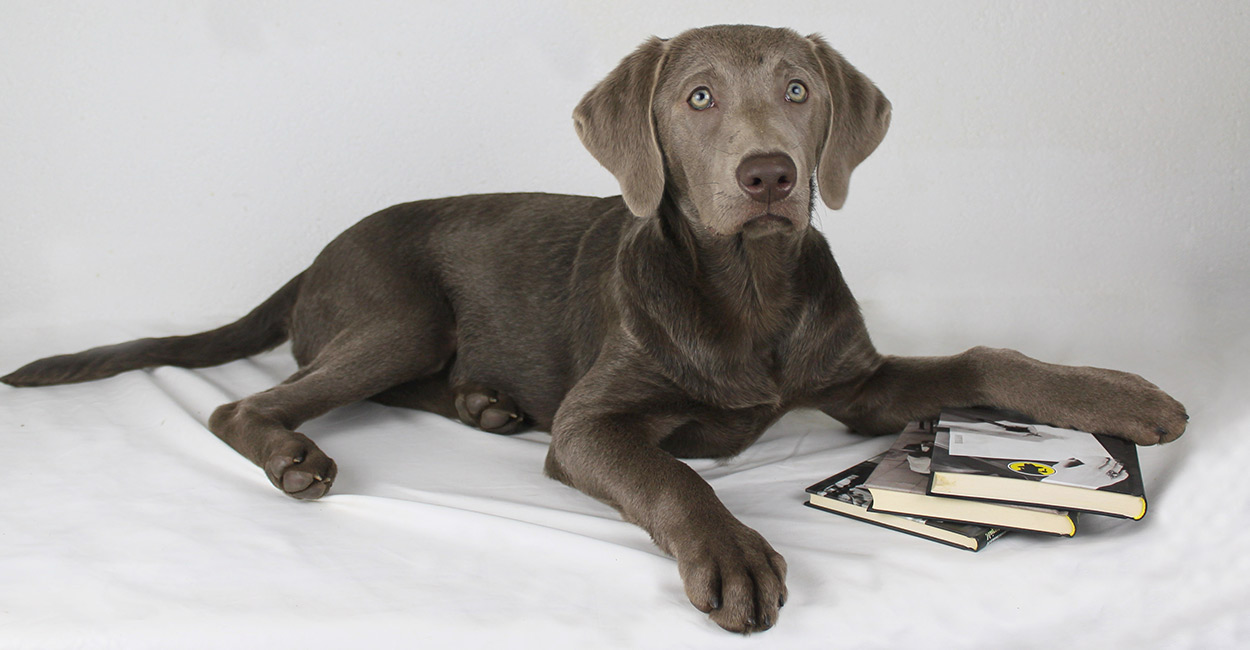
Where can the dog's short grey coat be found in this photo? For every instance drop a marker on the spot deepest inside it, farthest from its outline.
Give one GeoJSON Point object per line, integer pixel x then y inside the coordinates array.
{"type": "Point", "coordinates": [681, 319]}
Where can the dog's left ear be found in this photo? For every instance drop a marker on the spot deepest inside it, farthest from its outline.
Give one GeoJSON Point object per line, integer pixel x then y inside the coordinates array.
{"type": "Point", "coordinates": [859, 118]}
{"type": "Point", "coordinates": [615, 123]}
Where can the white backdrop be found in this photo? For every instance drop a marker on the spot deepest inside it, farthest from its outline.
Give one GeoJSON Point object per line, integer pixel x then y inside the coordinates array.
{"type": "Point", "coordinates": [1065, 178]}
{"type": "Point", "coordinates": [1069, 178]}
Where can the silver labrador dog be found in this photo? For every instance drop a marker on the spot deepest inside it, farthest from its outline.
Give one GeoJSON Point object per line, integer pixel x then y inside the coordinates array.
{"type": "Point", "coordinates": [678, 320]}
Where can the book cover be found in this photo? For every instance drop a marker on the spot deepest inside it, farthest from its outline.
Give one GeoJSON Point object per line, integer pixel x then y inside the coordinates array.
{"type": "Point", "coordinates": [843, 494]}
{"type": "Point", "coordinates": [899, 485]}
{"type": "Point", "coordinates": [999, 456]}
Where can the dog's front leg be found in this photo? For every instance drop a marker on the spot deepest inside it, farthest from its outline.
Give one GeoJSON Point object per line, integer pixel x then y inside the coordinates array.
{"type": "Point", "coordinates": [1098, 400]}
{"type": "Point", "coordinates": [729, 570]}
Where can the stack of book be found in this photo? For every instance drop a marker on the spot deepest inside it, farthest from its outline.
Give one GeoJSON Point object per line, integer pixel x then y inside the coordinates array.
{"type": "Point", "coordinates": [970, 476]}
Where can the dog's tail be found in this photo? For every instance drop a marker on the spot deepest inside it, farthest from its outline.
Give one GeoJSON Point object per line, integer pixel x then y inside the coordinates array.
{"type": "Point", "coordinates": [262, 329]}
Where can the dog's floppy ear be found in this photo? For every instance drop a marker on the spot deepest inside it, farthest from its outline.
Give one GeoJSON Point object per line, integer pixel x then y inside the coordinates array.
{"type": "Point", "coordinates": [615, 123]}
{"type": "Point", "coordinates": [859, 117]}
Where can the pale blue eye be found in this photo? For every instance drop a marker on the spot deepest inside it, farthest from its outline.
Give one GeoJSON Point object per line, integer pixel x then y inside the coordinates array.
{"type": "Point", "coordinates": [700, 99]}
{"type": "Point", "coordinates": [796, 92]}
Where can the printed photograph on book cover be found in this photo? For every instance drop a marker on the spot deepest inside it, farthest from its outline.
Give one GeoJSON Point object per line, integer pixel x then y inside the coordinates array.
{"type": "Point", "coordinates": [849, 489]}
{"type": "Point", "coordinates": [906, 466]}
{"type": "Point", "coordinates": [1032, 451]}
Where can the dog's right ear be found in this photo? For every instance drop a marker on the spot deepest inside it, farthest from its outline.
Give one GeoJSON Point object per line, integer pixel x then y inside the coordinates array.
{"type": "Point", "coordinates": [615, 123]}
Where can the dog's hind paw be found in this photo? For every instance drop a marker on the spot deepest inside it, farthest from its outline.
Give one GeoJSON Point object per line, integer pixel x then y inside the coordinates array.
{"type": "Point", "coordinates": [488, 409]}
{"type": "Point", "coordinates": [300, 469]}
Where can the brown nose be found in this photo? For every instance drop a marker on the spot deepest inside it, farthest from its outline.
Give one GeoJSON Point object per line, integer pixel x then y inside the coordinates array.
{"type": "Point", "coordinates": [767, 177]}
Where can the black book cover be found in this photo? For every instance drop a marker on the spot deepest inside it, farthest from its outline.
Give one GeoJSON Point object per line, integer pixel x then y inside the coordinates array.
{"type": "Point", "coordinates": [1015, 449]}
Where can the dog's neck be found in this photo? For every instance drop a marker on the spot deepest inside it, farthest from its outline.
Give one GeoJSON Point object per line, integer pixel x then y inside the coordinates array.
{"type": "Point", "coordinates": [711, 310]}
{"type": "Point", "coordinates": [749, 277]}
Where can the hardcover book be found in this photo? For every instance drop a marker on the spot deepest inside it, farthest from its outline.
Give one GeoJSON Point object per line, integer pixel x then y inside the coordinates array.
{"type": "Point", "coordinates": [900, 482]}
{"type": "Point", "coordinates": [843, 494]}
{"type": "Point", "coordinates": [997, 456]}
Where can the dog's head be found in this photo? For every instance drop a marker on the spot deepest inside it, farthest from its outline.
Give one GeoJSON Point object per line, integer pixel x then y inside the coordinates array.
{"type": "Point", "coordinates": [735, 121]}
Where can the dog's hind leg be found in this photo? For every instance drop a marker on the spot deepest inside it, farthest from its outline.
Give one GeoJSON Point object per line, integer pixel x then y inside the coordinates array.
{"type": "Point", "coordinates": [354, 365]}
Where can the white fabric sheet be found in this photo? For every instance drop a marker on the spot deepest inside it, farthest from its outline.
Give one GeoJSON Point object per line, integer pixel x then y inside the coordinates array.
{"type": "Point", "coordinates": [126, 524]}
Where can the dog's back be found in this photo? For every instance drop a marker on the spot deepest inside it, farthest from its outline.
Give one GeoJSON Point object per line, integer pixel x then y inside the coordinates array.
{"type": "Point", "coordinates": [526, 269]}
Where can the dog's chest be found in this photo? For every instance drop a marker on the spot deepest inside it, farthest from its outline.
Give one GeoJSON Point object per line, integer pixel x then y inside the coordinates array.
{"type": "Point", "coordinates": [732, 408]}
{"type": "Point", "coordinates": [773, 370]}
{"type": "Point", "coordinates": [755, 330]}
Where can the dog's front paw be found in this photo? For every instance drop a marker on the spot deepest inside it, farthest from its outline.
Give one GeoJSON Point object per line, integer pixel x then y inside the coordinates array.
{"type": "Point", "coordinates": [1130, 407]}
{"type": "Point", "coordinates": [736, 577]}
{"type": "Point", "coordinates": [300, 469]}
{"type": "Point", "coordinates": [1156, 416]}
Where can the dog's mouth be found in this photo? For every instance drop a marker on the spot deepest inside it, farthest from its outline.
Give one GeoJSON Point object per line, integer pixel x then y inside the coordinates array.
{"type": "Point", "coordinates": [767, 223]}
{"type": "Point", "coordinates": [768, 217]}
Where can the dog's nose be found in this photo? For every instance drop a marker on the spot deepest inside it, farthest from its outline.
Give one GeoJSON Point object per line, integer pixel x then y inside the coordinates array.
{"type": "Point", "coordinates": [767, 177]}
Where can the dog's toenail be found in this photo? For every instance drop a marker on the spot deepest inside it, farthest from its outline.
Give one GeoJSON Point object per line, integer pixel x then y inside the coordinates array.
{"type": "Point", "coordinates": [297, 460]}
{"type": "Point", "coordinates": [494, 400]}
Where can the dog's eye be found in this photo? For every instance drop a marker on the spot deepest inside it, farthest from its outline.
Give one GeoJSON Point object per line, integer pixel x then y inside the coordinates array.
{"type": "Point", "coordinates": [796, 92]}
{"type": "Point", "coordinates": [700, 99]}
